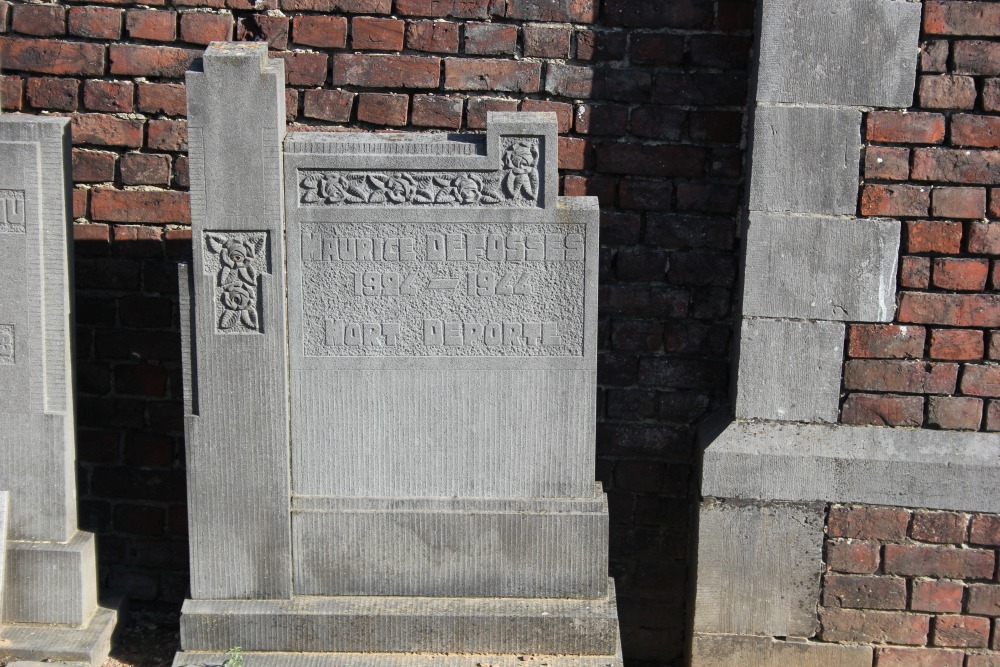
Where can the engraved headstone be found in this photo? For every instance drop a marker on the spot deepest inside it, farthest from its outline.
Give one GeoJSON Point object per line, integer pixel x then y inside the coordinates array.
{"type": "Point", "coordinates": [49, 606]}
{"type": "Point", "coordinates": [390, 365]}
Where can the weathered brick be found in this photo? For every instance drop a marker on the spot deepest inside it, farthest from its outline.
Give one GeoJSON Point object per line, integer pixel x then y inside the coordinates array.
{"type": "Point", "coordinates": [933, 236]}
{"type": "Point", "coordinates": [939, 527]}
{"type": "Point", "coordinates": [490, 39]}
{"type": "Point", "coordinates": [114, 96]}
{"type": "Point", "coordinates": [569, 81]}
{"type": "Point", "coordinates": [895, 200]}
{"type": "Point", "coordinates": [93, 166]}
{"type": "Point", "coordinates": [162, 98]}
{"type": "Point", "coordinates": [330, 105]}
{"type": "Point", "coordinates": [601, 119]}
{"type": "Point", "coordinates": [53, 93]}
{"type": "Point", "coordinates": [104, 130]}
{"type": "Point", "coordinates": [992, 416]}
{"type": "Point", "coordinates": [848, 625]}
{"type": "Point", "coordinates": [145, 169]}
{"type": "Point", "coordinates": [680, 14]}
{"type": "Point", "coordinates": [327, 32]}
{"type": "Point", "coordinates": [914, 272]}
{"type": "Point", "coordinates": [985, 529]}
{"type": "Point", "coordinates": [863, 592]}
{"type": "Point", "coordinates": [267, 27]}
{"type": "Point", "coordinates": [934, 56]}
{"type": "Point", "coordinates": [961, 310]}
{"type": "Point", "coordinates": [656, 122]}
{"type": "Point", "coordinates": [984, 600]}
{"type": "Point", "coordinates": [138, 206]}
{"type": "Point", "coordinates": [957, 273]}
{"type": "Point", "coordinates": [891, 163]}
{"type": "Point", "coordinates": [978, 131]}
{"type": "Point", "coordinates": [634, 194]}
{"type": "Point", "coordinates": [991, 95]}
{"type": "Point", "coordinates": [542, 41]}
{"type": "Point", "coordinates": [161, 61]}
{"type": "Point", "coordinates": [885, 341]}
{"type": "Point", "coordinates": [918, 657]}
{"type": "Point", "coordinates": [935, 595]}
{"type": "Point", "coordinates": [994, 349]}
{"type": "Point", "coordinates": [947, 92]}
{"type": "Point", "coordinates": [438, 36]}
{"type": "Point", "coordinates": [983, 659]}
{"type": "Point", "coordinates": [204, 27]}
{"type": "Point", "coordinates": [383, 108]}
{"type": "Point", "coordinates": [562, 110]}
{"type": "Point", "coordinates": [492, 75]}
{"type": "Point", "coordinates": [151, 24]}
{"type": "Point", "coordinates": [601, 45]}
{"type": "Point", "coordinates": [981, 380]}
{"type": "Point", "coordinates": [49, 56]}
{"type": "Point", "coordinates": [476, 109]}
{"type": "Point", "coordinates": [984, 238]}
{"type": "Point", "coordinates": [81, 200]}
{"type": "Point", "coordinates": [958, 202]}
{"type": "Point", "coordinates": [39, 20]}
{"type": "Point", "coordinates": [900, 127]}
{"type": "Point", "coordinates": [868, 523]}
{"type": "Point", "coordinates": [304, 69]}
{"type": "Point", "coordinates": [385, 71]}
{"type": "Point", "coordinates": [167, 135]}
{"type": "Point", "coordinates": [976, 57]}
{"type": "Point", "coordinates": [962, 631]}
{"type": "Point", "coordinates": [962, 18]}
{"type": "Point", "coordinates": [938, 561]}
{"type": "Point", "coordinates": [461, 9]}
{"type": "Point", "coordinates": [956, 344]}
{"type": "Point", "coordinates": [913, 377]}
{"type": "Point", "coordinates": [578, 11]}
{"type": "Point", "coordinates": [377, 34]}
{"type": "Point", "coordinates": [852, 557]}
{"type": "Point", "coordinates": [650, 160]}
{"type": "Point", "coordinates": [882, 410]}
{"type": "Point", "coordinates": [956, 165]}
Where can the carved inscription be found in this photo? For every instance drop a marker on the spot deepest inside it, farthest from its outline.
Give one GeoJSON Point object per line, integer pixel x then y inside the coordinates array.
{"type": "Point", "coordinates": [515, 184]}
{"type": "Point", "coordinates": [6, 344]}
{"type": "Point", "coordinates": [236, 259]}
{"type": "Point", "coordinates": [12, 211]}
{"type": "Point", "coordinates": [445, 289]}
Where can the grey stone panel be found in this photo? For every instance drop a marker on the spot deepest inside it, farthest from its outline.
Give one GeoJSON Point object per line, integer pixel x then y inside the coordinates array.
{"type": "Point", "coordinates": [51, 582]}
{"type": "Point", "coordinates": [373, 624]}
{"type": "Point", "coordinates": [805, 160]}
{"type": "Point", "coordinates": [820, 268]}
{"type": "Point", "coordinates": [759, 568]}
{"type": "Point", "coordinates": [854, 464]}
{"type": "Point", "coordinates": [4, 520]}
{"type": "Point", "coordinates": [237, 430]}
{"type": "Point", "coordinates": [200, 659]}
{"type": "Point", "coordinates": [36, 407]}
{"type": "Point", "coordinates": [49, 643]}
{"type": "Point", "coordinates": [789, 370]}
{"type": "Point", "coordinates": [459, 548]}
{"type": "Point", "coordinates": [741, 651]}
{"type": "Point", "coordinates": [839, 52]}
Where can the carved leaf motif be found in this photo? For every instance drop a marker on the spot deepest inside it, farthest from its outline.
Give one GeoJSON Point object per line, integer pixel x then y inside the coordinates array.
{"type": "Point", "coordinates": [248, 274]}
{"type": "Point", "coordinates": [228, 277]}
{"type": "Point", "coordinates": [229, 318]}
{"type": "Point", "coordinates": [249, 318]}
{"type": "Point", "coordinates": [215, 243]}
{"type": "Point", "coordinates": [424, 197]}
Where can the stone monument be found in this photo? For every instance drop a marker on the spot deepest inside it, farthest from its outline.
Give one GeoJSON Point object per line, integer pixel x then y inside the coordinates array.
{"type": "Point", "coordinates": [390, 364]}
{"type": "Point", "coordinates": [49, 607]}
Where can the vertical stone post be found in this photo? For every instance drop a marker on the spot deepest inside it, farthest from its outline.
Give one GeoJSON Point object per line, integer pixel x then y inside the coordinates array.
{"type": "Point", "coordinates": [235, 349]}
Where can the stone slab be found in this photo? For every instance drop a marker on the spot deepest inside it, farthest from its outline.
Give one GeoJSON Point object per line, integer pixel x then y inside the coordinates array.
{"type": "Point", "coordinates": [840, 52]}
{"type": "Point", "coordinates": [789, 370]}
{"type": "Point", "coordinates": [820, 268]}
{"type": "Point", "coordinates": [805, 160]}
{"type": "Point", "coordinates": [403, 625]}
{"type": "Point", "coordinates": [89, 645]}
{"type": "Point", "coordinates": [758, 568]}
{"type": "Point", "coordinates": [742, 651]}
{"type": "Point", "coordinates": [854, 464]}
{"type": "Point", "coordinates": [451, 548]}
{"type": "Point", "coordinates": [51, 582]}
{"type": "Point", "coordinates": [4, 520]}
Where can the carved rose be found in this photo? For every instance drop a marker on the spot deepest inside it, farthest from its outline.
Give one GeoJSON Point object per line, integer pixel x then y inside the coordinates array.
{"type": "Point", "coordinates": [235, 253]}
{"type": "Point", "coordinates": [333, 188]}
{"type": "Point", "coordinates": [397, 188]}
{"type": "Point", "coordinates": [240, 304]}
{"type": "Point", "coordinates": [469, 188]}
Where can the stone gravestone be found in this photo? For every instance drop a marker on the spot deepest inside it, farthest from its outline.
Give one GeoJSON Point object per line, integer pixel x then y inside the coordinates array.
{"type": "Point", "coordinates": [49, 607]}
{"type": "Point", "coordinates": [390, 348]}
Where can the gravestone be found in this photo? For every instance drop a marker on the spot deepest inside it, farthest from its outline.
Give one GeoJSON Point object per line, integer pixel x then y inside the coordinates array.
{"type": "Point", "coordinates": [4, 512]}
{"type": "Point", "coordinates": [390, 381]}
{"type": "Point", "coordinates": [49, 607]}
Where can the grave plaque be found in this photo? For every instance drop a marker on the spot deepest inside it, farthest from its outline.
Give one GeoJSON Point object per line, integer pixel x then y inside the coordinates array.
{"type": "Point", "coordinates": [390, 350]}
{"type": "Point", "coordinates": [49, 605]}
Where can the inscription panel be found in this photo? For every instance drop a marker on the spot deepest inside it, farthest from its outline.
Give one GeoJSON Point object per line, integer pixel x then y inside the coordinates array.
{"type": "Point", "coordinates": [442, 289]}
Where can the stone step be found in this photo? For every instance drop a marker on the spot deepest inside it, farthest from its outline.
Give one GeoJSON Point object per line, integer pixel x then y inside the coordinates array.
{"type": "Point", "coordinates": [88, 645]}
{"type": "Point", "coordinates": [370, 624]}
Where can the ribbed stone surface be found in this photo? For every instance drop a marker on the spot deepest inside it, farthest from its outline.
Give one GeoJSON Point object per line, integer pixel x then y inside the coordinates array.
{"type": "Point", "coordinates": [744, 651]}
{"type": "Point", "coordinates": [88, 646]}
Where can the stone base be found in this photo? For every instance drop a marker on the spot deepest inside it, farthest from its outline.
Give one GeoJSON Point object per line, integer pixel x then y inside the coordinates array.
{"type": "Point", "coordinates": [51, 582]}
{"type": "Point", "coordinates": [86, 646]}
{"type": "Point", "coordinates": [401, 625]}
{"type": "Point", "coordinates": [745, 651]}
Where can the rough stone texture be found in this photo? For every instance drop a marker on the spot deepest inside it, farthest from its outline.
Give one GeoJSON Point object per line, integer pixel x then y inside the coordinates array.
{"type": "Point", "coordinates": [711, 650]}
{"type": "Point", "coordinates": [4, 518]}
{"type": "Point", "coordinates": [820, 268]}
{"type": "Point", "coordinates": [758, 568]}
{"type": "Point", "coordinates": [870, 465]}
{"type": "Point", "coordinates": [789, 370]}
{"type": "Point", "coordinates": [51, 582]}
{"type": "Point", "coordinates": [51, 643]}
{"type": "Point", "coordinates": [239, 535]}
{"type": "Point", "coordinates": [805, 160]}
{"type": "Point", "coordinates": [376, 624]}
{"type": "Point", "coordinates": [849, 52]}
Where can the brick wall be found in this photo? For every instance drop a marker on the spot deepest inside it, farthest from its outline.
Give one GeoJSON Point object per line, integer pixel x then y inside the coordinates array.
{"type": "Point", "coordinates": [922, 586]}
{"type": "Point", "coordinates": [650, 97]}
{"type": "Point", "coordinates": [937, 167]}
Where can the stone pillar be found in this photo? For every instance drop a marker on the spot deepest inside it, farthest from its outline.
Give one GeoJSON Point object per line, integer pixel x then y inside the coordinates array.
{"type": "Point", "coordinates": [49, 608]}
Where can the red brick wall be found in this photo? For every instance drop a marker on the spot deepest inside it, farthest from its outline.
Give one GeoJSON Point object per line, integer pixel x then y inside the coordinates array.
{"type": "Point", "coordinates": [937, 167]}
{"type": "Point", "coordinates": [650, 96]}
{"type": "Point", "coordinates": [922, 586]}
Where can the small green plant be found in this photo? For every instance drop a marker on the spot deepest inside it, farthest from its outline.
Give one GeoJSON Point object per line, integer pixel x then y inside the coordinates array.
{"type": "Point", "coordinates": [235, 658]}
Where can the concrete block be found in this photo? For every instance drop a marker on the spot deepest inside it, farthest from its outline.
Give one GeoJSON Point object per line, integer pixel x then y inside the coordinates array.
{"type": "Point", "coordinates": [237, 429]}
{"type": "Point", "coordinates": [820, 268]}
{"type": "Point", "coordinates": [373, 624]}
{"type": "Point", "coordinates": [840, 52]}
{"type": "Point", "coordinates": [854, 464]}
{"type": "Point", "coordinates": [759, 568]}
{"type": "Point", "coordinates": [789, 370]}
{"type": "Point", "coordinates": [805, 160]}
{"type": "Point", "coordinates": [51, 582]}
{"type": "Point", "coordinates": [68, 646]}
{"type": "Point", "coordinates": [451, 548]}
{"type": "Point", "coordinates": [742, 651]}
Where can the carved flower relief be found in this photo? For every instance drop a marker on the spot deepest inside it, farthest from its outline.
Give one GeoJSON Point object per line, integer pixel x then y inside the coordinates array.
{"type": "Point", "coordinates": [330, 188]}
{"type": "Point", "coordinates": [240, 304]}
{"type": "Point", "coordinates": [237, 278]}
{"type": "Point", "coordinates": [520, 161]}
{"type": "Point", "coordinates": [395, 188]}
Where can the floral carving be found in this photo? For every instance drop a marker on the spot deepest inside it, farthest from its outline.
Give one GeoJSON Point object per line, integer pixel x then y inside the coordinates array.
{"type": "Point", "coordinates": [239, 259]}
{"type": "Point", "coordinates": [515, 184]}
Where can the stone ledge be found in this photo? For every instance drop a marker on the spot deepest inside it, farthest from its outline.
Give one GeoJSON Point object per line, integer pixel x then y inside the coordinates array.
{"type": "Point", "coordinates": [89, 645]}
{"type": "Point", "coordinates": [711, 650]}
{"type": "Point", "coordinates": [852, 464]}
